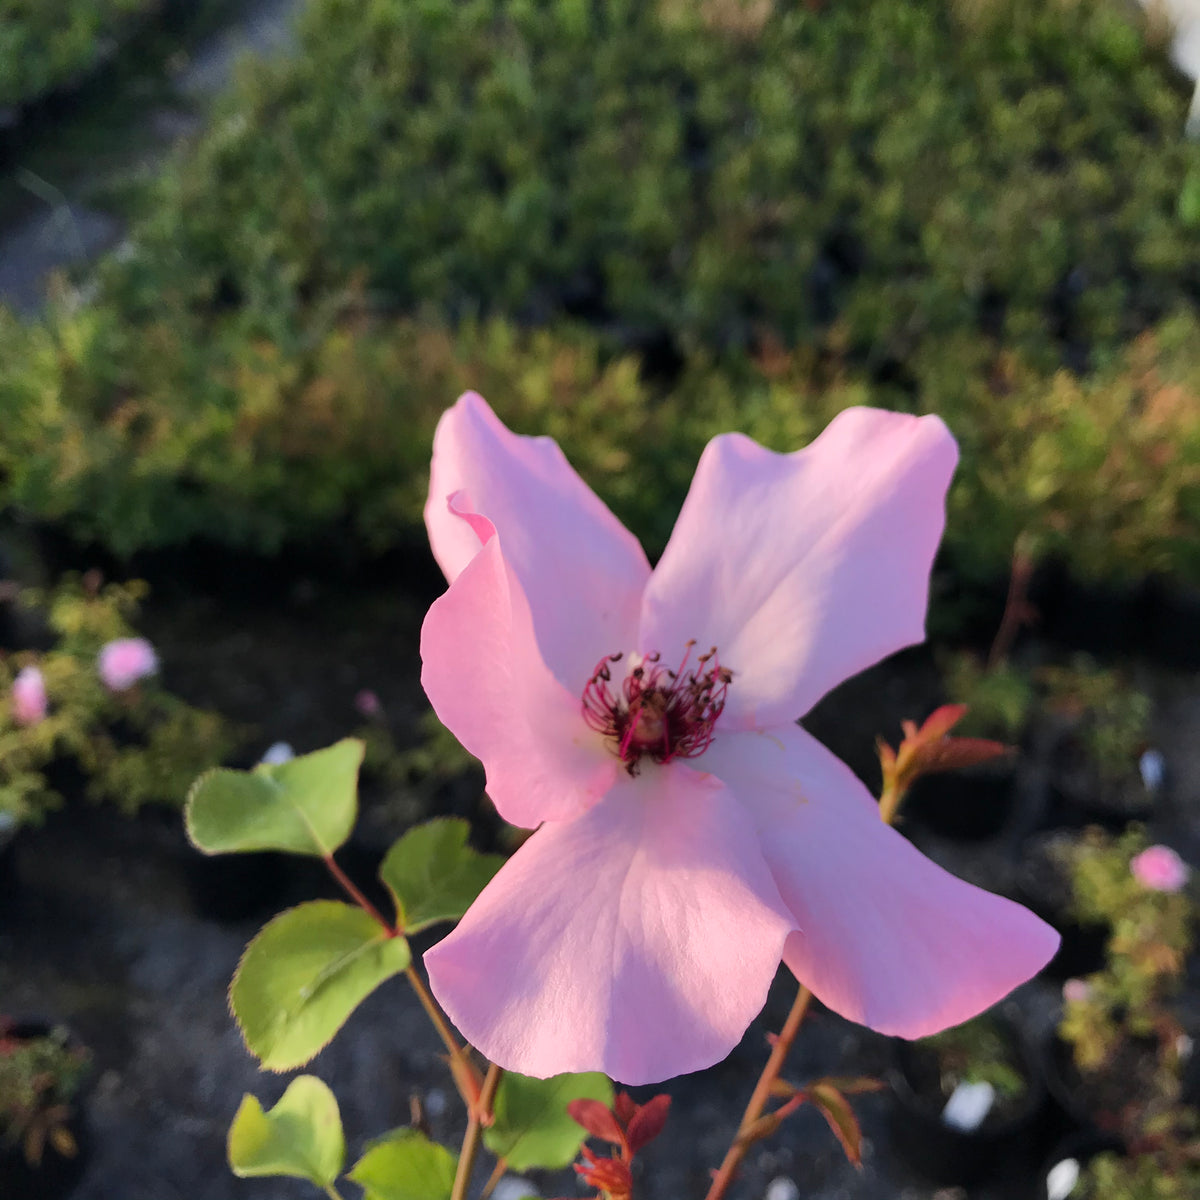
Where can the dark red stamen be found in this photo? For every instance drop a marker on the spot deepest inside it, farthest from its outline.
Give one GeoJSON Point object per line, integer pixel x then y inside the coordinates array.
{"type": "Point", "coordinates": [657, 712]}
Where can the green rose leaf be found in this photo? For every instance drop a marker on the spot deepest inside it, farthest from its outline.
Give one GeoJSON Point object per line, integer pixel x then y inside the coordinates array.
{"type": "Point", "coordinates": [532, 1126]}
{"type": "Point", "coordinates": [301, 1135]}
{"type": "Point", "coordinates": [307, 805]}
{"type": "Point", "coordinates": [434, 875]}
{"type": "Point", "coordinates": [405, 1165]}
{"type": "Point", "coordinates": [304, 974]}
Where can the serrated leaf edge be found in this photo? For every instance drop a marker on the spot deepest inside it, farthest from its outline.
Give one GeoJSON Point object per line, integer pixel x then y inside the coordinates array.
{"type": "Point", "coordinates": [401, 921]}
{"type": "Point", "coordinates": [283, 1070]}
{"type": "Point", "coordinates": [266, 1115]}
{"type": "Point", "coordinates": [189, 803]}
{"type": "Point", "coordinates": [262, 771]}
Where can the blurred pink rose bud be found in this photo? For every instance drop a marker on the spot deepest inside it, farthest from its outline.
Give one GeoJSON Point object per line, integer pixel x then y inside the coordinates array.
{"type": "Point", "coordinates": [29, 697]}
{"type": "Point", "coordinates": [123, 662]}
{"type": "Point", "coordinates": [367, 703]}
{"type": "Point", "coordinates": [1160, 869]}
{"type": "Point", "coordinates": [1076, 990]}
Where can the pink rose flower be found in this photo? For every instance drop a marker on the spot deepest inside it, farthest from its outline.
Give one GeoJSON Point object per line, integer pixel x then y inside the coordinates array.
{"type": "Point", "coordinates": [29, 696]}
{"type": "Point", "coordinates": [1160, 869]}
{"type": "Point", "coordinates": [689, 833]}
{"type": "Point", "coordinates": [124, 661]}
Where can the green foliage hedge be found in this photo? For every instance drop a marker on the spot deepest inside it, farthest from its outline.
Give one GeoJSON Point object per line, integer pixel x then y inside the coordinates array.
{"type": "Point", "coordinates": [968, 207]}
{"type": "Point", "coordinates": [905, 169]}
{"type": "Point", "coordinates": [46, 44]}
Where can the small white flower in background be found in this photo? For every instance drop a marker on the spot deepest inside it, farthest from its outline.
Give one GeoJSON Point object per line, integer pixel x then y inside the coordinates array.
{"type": "Point", "coordinates": [29, 697]}
{"type": "Point", "coordinates": [1061, 1179]}
{"type": "Point", "coordinates": [513, 1188]}
{"type": "Point", "coordinates": [124, 661]}
{"type": "Point", "coordinates": [1153, 768]}
{"type": "Point", "coordinates": [781, 1189]}
{"type": "Point", "coordinates": [278, 752]}
{"type": "Point", "coordinates": [1183, 18]}
{"type": "Point", "coordinates": [968, 1106]}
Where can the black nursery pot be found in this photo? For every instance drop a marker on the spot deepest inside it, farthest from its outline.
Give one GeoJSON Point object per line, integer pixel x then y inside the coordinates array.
{"type": "Point", "coordinates": [946, 1155]}
{"type": "Point", "coordinates": [1044, 887]}
{"type": "Point", "coordinates": [968, 806]}
{"type": "Point", "coordinates": [1058, 1072]}
{"type": "Point", "coordinates": [56, 1175]}
{"type": "Point", "coordinates": [8, 868]}
{"type": "Point", "coordinates": [1081, 797]}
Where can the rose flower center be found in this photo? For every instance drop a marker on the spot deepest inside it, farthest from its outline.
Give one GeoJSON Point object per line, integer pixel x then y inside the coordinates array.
{"type": "Point", "coordinates": [655, 712]}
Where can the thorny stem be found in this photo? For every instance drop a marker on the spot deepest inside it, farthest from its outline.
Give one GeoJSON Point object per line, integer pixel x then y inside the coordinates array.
{"type": "Point", "coordinates": [476, 1116]}
{"type": "Point", "coordinates": [347, 885]}
{"type": "Point", "coordinates": [889, 804]}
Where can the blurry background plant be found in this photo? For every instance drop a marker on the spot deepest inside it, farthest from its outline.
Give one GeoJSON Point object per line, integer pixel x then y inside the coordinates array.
{"type": "Point", "coordinates": [1097, 721]}
{"type": "Point", "coordinates": [46, 44]}
{"type": "Point", "coordinates": [40, 1076]}
{"type": "Point", "coordinates": [751, 231]}
{"type": "Point", "coordinates": [631, 226]}
{"type": "Point", "coordinates": [980, 1051]}
{"type": "Point", "coordinates": [1127, 1045]}
{"type": "Point", "coordinates": [1164, 1163]}
{"type": "Point", "coordinates": [132, 746]}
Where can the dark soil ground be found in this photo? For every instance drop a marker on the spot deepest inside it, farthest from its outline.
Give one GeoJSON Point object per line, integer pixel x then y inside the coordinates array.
{"type": "Point", "coordinates": [103, 932]}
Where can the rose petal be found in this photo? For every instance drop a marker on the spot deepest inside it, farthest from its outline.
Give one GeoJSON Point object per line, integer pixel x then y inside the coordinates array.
{"type": "Point", "coordinates": [489, 686]}
{"type": "Point", "coordinates": [885, 936]}
{"type": "Point", "coordinates": [805, 568]}
{"type": "Point", "coordinates": [582, 570]}
{"type": "Point", "coordinates": [639, 939]}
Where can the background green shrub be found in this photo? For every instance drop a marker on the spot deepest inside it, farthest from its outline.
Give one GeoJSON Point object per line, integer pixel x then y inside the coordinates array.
{"type": "Point", "coordinates": [632, 228]}
{"type": "Point", "coordinates": [45, 44]}
{"type": "Point", "coordinates": [895, 167]}
{"type": "Point", "coordinates": [134, 747]}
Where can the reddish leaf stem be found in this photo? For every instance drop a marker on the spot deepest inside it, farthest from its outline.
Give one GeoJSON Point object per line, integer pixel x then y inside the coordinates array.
{"type": "Point", "coordinates": [347, 885]}
{"type": "Point", "coordinates": [494, 1178]}
{"type": "Point", "coordinates": [440, 1023]}
{"type": "Point", "coordinates": [723, 1176]}
{"type": "Point", "coordinates": [477, 1116]}
{"type": "Point", "coordinates": [429, 1004]}
{"type": "Point", "coordinates": [762, 1093]}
